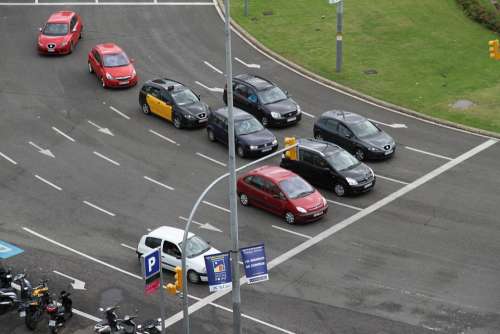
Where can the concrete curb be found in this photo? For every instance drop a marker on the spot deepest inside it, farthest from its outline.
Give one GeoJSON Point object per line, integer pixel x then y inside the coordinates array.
{"type": "Point", "coordinates": [333, 84]}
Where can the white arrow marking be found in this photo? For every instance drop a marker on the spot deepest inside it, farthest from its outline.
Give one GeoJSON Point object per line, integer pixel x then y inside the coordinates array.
{"type": "Point", "coordinates": [77, 284]}
{"type": "Point", "coordinates": [214, 89]}
{"type": "Point", "coordinates": [308, 114]}
{"type": "Point", "coordinates": [213, 67]}
{"type": "Point", "coordinates": [205, 226]}
{"type": "Point", "coordinates": [103, 130]}
{"type": "Point", "coordinates": [247, 65]}
{"type": "Point", "coordinates": [62, 134]}
{"type": "Point", "coordinates": [41, 150]}
{"type": "Point", "coordinates": [394, 126]}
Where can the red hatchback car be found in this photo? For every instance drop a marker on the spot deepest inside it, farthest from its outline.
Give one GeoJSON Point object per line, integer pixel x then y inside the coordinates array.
{"type": "Point", "coordinates": [281, 192]}
{"type": "Point", "coordinates": [112, 66]}
{"type": "Point", "coordinates": [60, 34]}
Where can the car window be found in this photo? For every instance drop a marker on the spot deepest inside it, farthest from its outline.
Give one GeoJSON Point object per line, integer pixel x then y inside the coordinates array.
{"type": "Point", "coordinates": [331, 124]}
{"type": "Point", "coordinates": [55, 29]}
{"type": "Point", "coordinates": [72, 23]}
{"type": "Point", "coordinates": [152, 242]}
{"type": "Point", "coordinates": [248, 179]}
{"type": "Point", "coordinates": [342, 160]}
{"type": "Point", "coordinates": [115, 60]}
{"type": "Point", "coordinates": [241, 90]}
{"type": "Point", "coordinates": [252, 95]}
{"type": "Point", "coordinates": [171, 249]}
{"type": "Point", "coordinates": [184, 97]}
{"type": "Point", "coordinates": [343, 131]}
{"type": "Point", "coordinates": [257, 182]}
{"type": "Point", "coordinates": [272, 95]}
{"type": "Point", "coordinates": [247, 126]}
{"type": "Point", "coordinates": [154, 91]}
{"type": "Point", "coordinates": [269, 187]}
{"type": "Point", "coordinates": [195, 246]}
{"type": "Point", "coordinates": [295, 187]}
{"type": "Point", "coordinates": [364, 129]}
{"type": "Point", "coordinates": [165, 97]}
{"type": "Point", "coordinates": [320, 162]}
{"type": "Point", "coordinates": [146, 89]}
{"type": "Point", "coordinates": [306, 156]}
{"type": "Point", "coordinates": [96, 56]}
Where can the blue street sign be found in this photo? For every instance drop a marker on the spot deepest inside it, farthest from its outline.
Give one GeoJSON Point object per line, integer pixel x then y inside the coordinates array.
{"type": "Point", "coordinates": [218, 271]}
{"type": "Point", "coordinates": [255, 263]}
{"type": "Point", "coordinates": [7, 250]}
{"type": "Point", "coordinates": [151, 263]}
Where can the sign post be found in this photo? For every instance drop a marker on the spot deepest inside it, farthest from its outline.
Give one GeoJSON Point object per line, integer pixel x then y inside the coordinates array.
{"type": "Point", "coordinates": [218, 271]}
{"type": "Point", "coordinates": [255, 263]}
{"type": "Point", "coordinates": [153, 275]}
{"type": "Point", "coordinates": [340, 14]}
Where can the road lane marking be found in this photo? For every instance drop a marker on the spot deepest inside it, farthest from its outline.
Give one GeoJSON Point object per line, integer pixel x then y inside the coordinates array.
{"type": "Point", "coordinates": [428, 153]}
{"type": "Point", "coordinates": [342, 225]}
{"type": "Point", "coordinates": [163, 137]}
{"type": "Point", "coordinates": [100, 209]}
{"type": "Point", "coordinates": [206, 226]}
{"type": "Point", "coordinates": [77, 284]}
{"type": "Point", "coordinates": [346, 205]}
{"type": "Point", "coordinates": [211, 159]}
{"type": "Point", "coordinates": [46, 152]}
{"type": "Point", "coordinates": [213, 67]}
{"type": "Point", "coordinates": [106, 158]}
{"type": "Point", "coordinates": [129, 247]}
{"type": "Point", "coordinates": [8, 158]}
{"type": "Point", "coordinates": [292, 232]}
{"type": "Point", "coordinates": [390, 179]}
{"type": "Point", "coordinates": [101, 129]}
{"type": "Point", "coordinates": [394, 125]}
{"type": "Point", "coordinates": [212, 89]}
{"type": "Point", "coordinates": [247, 65]}
{"type": "Point", "coordinates": [216, 206]}
{"type": "Point", "coordinates": [48, 182]}
{"type": "Point", "coordinates": [158, 183]}
{"type": "Point", "coordinates": [308, 114]}
{"type": "Point", "coordinates": [119, 112]}
{"type": "Point", "coordinates": [97, 3]}
{"type": "Point", "coordinates": [63, 134]}
{"type": "Point", "coordinates": [86, 315]}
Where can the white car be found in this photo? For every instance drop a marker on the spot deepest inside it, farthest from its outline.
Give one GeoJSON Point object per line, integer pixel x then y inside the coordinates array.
{"type": "Point", "coordinates": [170, 241]}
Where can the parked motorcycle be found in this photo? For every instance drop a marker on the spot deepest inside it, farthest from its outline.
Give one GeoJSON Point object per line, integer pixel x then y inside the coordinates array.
{"type": "Point", "coordinates": [149, 327]}
{"type": "Point", "coordinates": [113, 325]}
{"type": "Point", "coordinates": [59, 311]}
{"type": "Point", "coordinates": [40, 298]}
{"type": "Point", "coordinates": [110, 322]}
{"type": "Point", "coordinates": [5, 278]}
{"type": "Point", "coordinates": [11, 297]}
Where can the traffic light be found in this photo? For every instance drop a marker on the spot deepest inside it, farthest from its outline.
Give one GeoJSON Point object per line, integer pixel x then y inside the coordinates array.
{"type": "Point", "coordinates": [494, 52]}
{"type": "Point", "coordinates": [171, 288]}
{"type": "Point", "coordinates": [178, 278]}
{"type": "Point", "coordinates": [292, 153]}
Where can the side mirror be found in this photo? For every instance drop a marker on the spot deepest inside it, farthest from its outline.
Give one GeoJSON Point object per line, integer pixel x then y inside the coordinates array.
{"type": "Point", "coordinates": [40, 29]}
{"type": "Point", "coordinates": [74, 29]}
{"type": "Point", "coordinates": [132, 60]}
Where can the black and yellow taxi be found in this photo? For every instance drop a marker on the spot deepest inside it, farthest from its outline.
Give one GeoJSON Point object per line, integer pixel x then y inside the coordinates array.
{"type": "Point", "coordinates": [174, 102]}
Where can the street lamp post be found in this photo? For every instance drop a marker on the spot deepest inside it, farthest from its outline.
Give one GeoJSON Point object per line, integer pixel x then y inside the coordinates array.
{"type": "Point", "coordinates": [340, 14]}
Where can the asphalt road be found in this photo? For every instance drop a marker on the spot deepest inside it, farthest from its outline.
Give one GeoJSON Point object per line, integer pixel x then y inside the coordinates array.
{"type": "Point", "coordinates": [419, 254]}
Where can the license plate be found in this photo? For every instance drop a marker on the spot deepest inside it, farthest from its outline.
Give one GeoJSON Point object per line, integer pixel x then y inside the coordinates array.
{"type": "Point", "coordinates": [202, 120]}
{"type": "Point", "coordinates": [52, 323]}
{"type": "Point", "coordinates": [123, 83]}
{"type": "Point", "coordinates": [291, 119]}
{"type": "Point", "coordinates": [388, 152]}
{"type": "Point", "coordinates": [368, 185]}
{"type": "Point", "coordinates": [267, 149]}
{"type": "Point", "coordinates": [51, 50]}
{"type": "Point", "coordinates": [22, 314]}
{"type": "Point", "coordinates": [318, 214]}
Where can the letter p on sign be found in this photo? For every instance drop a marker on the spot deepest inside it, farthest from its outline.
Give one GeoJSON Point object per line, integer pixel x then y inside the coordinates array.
{"type": "Point", "coordinates": [152, 263]}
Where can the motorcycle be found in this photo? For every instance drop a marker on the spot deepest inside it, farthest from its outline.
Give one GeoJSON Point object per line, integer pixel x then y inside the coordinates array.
{"type": "Point", "coordinates": [113, 325]}
{"type": "Point", "coordinates": [11, 297]}
{"type": "Point", "coordinates": [110, 324]}
{"type": "Point", "coordinates": [59, 311]}
{"type": "Point", "coordinates": [40, 298]}
{"type": "Point", "coordinates": [5, 278]}
{"type": "Point", "coordinates": [149, 327]}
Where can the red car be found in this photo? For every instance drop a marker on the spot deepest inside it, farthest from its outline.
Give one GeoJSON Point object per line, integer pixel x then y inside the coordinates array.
{"type": "Point", "coordinates": [112, 66]}
{"type": "Point", "coordinates": [281, 192]}
{"type": "Point", "coordinates": [61, 33]}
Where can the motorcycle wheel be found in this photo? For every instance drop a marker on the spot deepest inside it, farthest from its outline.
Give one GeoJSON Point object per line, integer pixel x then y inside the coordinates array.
{"type": "Point", "coordinates": [32, 318]}
{"type": "Point", "coordinates": [4, 308]}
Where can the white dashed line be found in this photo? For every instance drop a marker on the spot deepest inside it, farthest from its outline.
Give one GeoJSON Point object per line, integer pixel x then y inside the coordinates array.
{"type": "Point", "coordinates": [163, 137]}
{"type": "Point", "coordinates": [390, 179]}
{"type": "Point", "coordinates": [129, 247]}
{"type": "Point", "coordinates": [247, 65]}
{"type": "Point", "coordinates": [100, 209]}
{"type": "Point", "coordinates": [428, 153]}
{"type": "Point", "coordinates": [8, 158]}
{"type": "Point", "coordinates": [106, 158]}
{"type": "Point", "coordinates": [211, 159]}
{"type": "Point", "coordinates": [119, 112]}
{"type": "Point", "coordinates": [63, 134]}
{"type": "Point", "coordinates": [292, 232]}
{"type": "Point", "coordinates": [216, 206]}
{"type": "Point", "coordinates": [158, 183]}
{"type": "Point", "coordinates": [213, 67]}
{"type": "Point", "coordinates": [86, 315]}
{"type": "Point", "coordinates": [48, 182]}
{"type": "Point", "coordinates": [346, 205]}
{"type": "Point", "coordinates": [308, 114]}
{"type": "Point", "coordinates": [212, 89]}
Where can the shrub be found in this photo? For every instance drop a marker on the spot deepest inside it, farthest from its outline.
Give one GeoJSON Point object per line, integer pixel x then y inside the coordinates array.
{"type": "Point", "coordinates": [482, 14]}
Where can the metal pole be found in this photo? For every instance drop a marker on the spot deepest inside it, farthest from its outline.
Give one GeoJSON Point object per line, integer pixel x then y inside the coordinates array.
{"type": "Point", "coordinates": [233, 216]}
{"type": "Point", "coordinates": [162, 300]}
{"type": "Point", "coordinates": [340, 13]}
{"type": "Point", "coordinates": [245, 10]}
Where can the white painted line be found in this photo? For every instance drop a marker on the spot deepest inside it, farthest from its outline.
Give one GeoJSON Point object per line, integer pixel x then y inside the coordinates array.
{"type": "Point", "coordinates": [292, 232]}
{"type": "Point", "coordinates": [346, 205]}
{"type": "Point", "coordinates": [77, 284]}
{"type": "Point", "coordinates": [394, 126]}
{"type": "Point", "coordinates": [158, 183]}
{"type": "Point", "coordinates": [211, 159]}
{"type": "Point", "coordinates": [206, 226]}
{"type": "Point", "coordinates": [80, 253]}
{"type": "Point", "coordinates": [8, 158]}
{"type": "Point", "coordinates": [213, 67]}
{"type": "Point", "coordinates": [212, 89]}
{"type": "Point", "coordinates": [428, 153]}
{"type": "Point", "coordinates": [247, 65]}
{"type": "Point", "coordinates": [46, 152]}
{"type": "Point", "coordinates": [129, 247]}
{"type": "Point", "coordinates": [390, 179]}
{"type": "Point", "coordinates": [106, 158]}
{"type": "Point", "coordinates": [342, 225]}
{"type": "Point", "coordinates": [163, 137]}
{"type": "Point", "coordinates": [119, 112]}
{"type": "Point", "coordinates": [97, 3]}
{"type": "Point", "coordinates": [100, 209]}
{"type": "Point", "coordinates": [308, 114]}
{"type": "Point", "coordinates": [86, 315]}
{"type": "Point", "coordinates": [48, 182]}
{"type": "Point", "coordinates": [63, 134]}
{"type": "Point", "coordinates": [216, 206]}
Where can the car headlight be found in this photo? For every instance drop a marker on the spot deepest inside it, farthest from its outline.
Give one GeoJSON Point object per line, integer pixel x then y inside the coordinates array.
{"type": "Point", "coordinates": [253, 147]}
{"type": "Point", "coordinates": [275, 114]}
{"type": "Point", "coordinates": [324, 201]}
{"type": "Point", "coordinates": [189, 116]}
{"type": "Point", "coordinates": [299, 109]}
{"type": "Point", "coordinates": [275, 142]}
{"type": "Point", "coordinates": [351, 181]}
{"type": "Point", "coordinates": [371, 171]}
{"type": "Point", "coordinates": [109, 76]}
{"type": "Point", "coordinates": [301, 209]}
{"type": "Point", "coordinates": [64, 43]}
{"type": "Point", "coordinates": [134, 73]}
{"type": "Point", "coordinates": [375, 149]}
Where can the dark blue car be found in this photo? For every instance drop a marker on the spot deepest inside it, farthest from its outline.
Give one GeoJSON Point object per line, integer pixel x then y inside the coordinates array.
{"type": "Point", "coordinates": [251, 138]}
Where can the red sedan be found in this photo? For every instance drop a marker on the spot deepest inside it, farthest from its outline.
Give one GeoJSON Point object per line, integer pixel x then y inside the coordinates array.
{"type": "Point", "coordinates": [60, 34]}
{"type": "Point", "coordinates": [281, 192]}
{"type": "Point", "coordinates": [112, 66]}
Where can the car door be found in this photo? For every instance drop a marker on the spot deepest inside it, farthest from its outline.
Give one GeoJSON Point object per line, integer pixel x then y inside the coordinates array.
{"type": "Point", "coordinates": [170, 255]}
{"type": "Point", "coordinates": [274, 199]}
{"type": "Point", "coordinates": [224, 131]}
{"type": "Point", "coordinates": [73, 30]}
{"type": "Point", "coordinates": [322, 171]}
{"type": "Point", "coordinates": [165, 105]}
{"type": "Point", "coordinates": [96, 63]}
{"type": "Point", "coordinates": [304, 166]}
{"type": "Point", "coordinates": [256, 191]}
{"type": "Point", "coordinates": [346, 138]}
{"type": "Point", "coordinates": [153, 100]}
{"type": "Point", "coordinates": [240, 93]}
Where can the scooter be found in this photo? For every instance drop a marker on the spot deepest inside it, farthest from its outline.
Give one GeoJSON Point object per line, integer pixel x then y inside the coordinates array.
{"type": "Point", "coordinates": [12, 296]}
{"type": "Point", "coordinates": [5, 278]}
{"type": "Point", "coordinates": [149, 327]}
{"type": "Point", "coordinates": [59, 311]}
{"type": "Point", "coordinates": [110, 324]}
{"type": "Point", "coordinates": [40, 298]}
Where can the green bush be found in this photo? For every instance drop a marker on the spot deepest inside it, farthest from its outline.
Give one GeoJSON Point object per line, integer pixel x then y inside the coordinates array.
{"type": "Point", "coordinates": [485, 15]}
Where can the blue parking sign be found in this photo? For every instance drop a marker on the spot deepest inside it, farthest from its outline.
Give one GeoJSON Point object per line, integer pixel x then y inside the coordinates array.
{"type": "Point", "coordinates": [151, 263]}
{"type": "Point", "coordinates": [218, 271]}
{"type": "Point", "coordinates": [7, 250]}
{"type": "Point", "coordinates": [254, 260]}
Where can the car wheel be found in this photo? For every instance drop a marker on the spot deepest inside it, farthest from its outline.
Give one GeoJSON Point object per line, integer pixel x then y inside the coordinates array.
{"type": "Point", "coordinates": [360, 154]}
{"type": "Point", "coordinates": [177, 121]}
{"type": "Point", "coordinates": [193, 277]}
{"type": "Point", "coordinates": [339, 189]}
{"type": "Point", "coordinates": [265, 121]}
{"type": "Point", "coordinates": [244, 199]}
{"type": "Point", "coordinates": [81, 35]}
{"type": "Point", "coordinates": [103, 83]}
{"type": "Point", "coordinates": [240, 151]}
{"type": "Point", "coordinates": [90, 68]}
{"type": "Point", "coordinates": [211, 135]}
{"type": "Point", "coordinates": [289, 218]}
{"type": "Point", "coordinates": [145, 108]}
{"type": "Point", "coordinates": [318, 136]}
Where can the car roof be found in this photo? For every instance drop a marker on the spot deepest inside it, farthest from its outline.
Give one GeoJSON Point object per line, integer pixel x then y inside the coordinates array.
{"type": "Point", "coordinates": [107, 48]}
{"type": "Point", "coordinates": [166, 83]}
{"type": "Point", "coordinates": [169, 233]}
{"type": "Point", "coordinates": [343, 116]}
{"type": "Point", "coordinates": [60, 17]}
{"type": "Point", "coordinates": [257, 82]}
{"type": "Point", "coordinates": [319, 145]}
{"type": "Point", "coordinates": [237, 113]}
{"type": "Point", "coordinates": [275, 173]}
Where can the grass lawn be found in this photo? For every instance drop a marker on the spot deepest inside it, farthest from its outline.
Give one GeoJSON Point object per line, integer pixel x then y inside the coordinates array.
{"type": "Point", "coordinates": [427, 53]}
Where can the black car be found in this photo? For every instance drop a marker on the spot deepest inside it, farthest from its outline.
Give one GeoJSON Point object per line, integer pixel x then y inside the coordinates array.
{"type": "Point", "coordinates": [173, 101]}
{"type": "Point", "coordinates": [251, 138]}
{"type": "Point", "coordinates": [330, 166]}
{"type": "Point", "coordinates": [354, 133]}
{"type": "Point", "coordinates": [267, 102]}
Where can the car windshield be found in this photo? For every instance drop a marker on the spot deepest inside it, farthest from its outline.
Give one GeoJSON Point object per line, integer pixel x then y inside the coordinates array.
{"type": "Point", "coordinates": [184, 97]}
{"type": "Point", "coordinates": [295, 187]}
{"type": "Point", "coordinates": [55, 29]}
{"type": "Point", "coordinates": [272, 95]}
{"type": "Point", "coordinates": [342, 160]}
{"type": "Point", "coordinates": [115, 60]}
{"type": "Point", "coordinates": [195, 246]}
{"type": "Point", "coordinates": [247, 126]}
{"type": "Point", "coordinates": [364, 129]}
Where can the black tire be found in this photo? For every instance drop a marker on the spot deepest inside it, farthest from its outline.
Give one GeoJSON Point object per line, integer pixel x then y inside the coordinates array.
{"type": "Point", "coordinates": [4, 308]}
{"type": "Point", "coordinates": [318, 136]}
{"type": "Point", "coordinates": [240, 151]}
{"type": "Point", "coordinates": [289, 218]}
{"type": "Point", "coordinates": [359, 154]}
{"type": "Point", "coordinates": [339, 189]}
{"type": "Point", "coordinates": [177, 120]}
{"type": "Point", "coordinates": [210, 135]}
{"type": "Point", "coordinates": [145, 108]}
{"type": "Point", "coordinates": [32, 318]}
{"type": "Point", "coordinates": [53, 330]}
{"type": "Point", "coordinates": [244, 199]}
{"type": "Point", "coordinates": [81, 34]}
{"type": "Point", "coordinates": [193, 277]}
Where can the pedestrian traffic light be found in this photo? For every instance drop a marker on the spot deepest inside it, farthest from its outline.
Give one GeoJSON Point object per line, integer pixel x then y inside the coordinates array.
{"type": "Point", "coordinates": [292, 153]}
{"type": "Point", "coordinates": [494, 52]}
{"type": "Point", "coordinates": [171, 288]}
{"type": "Point", "coordinates": [178, 278]}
